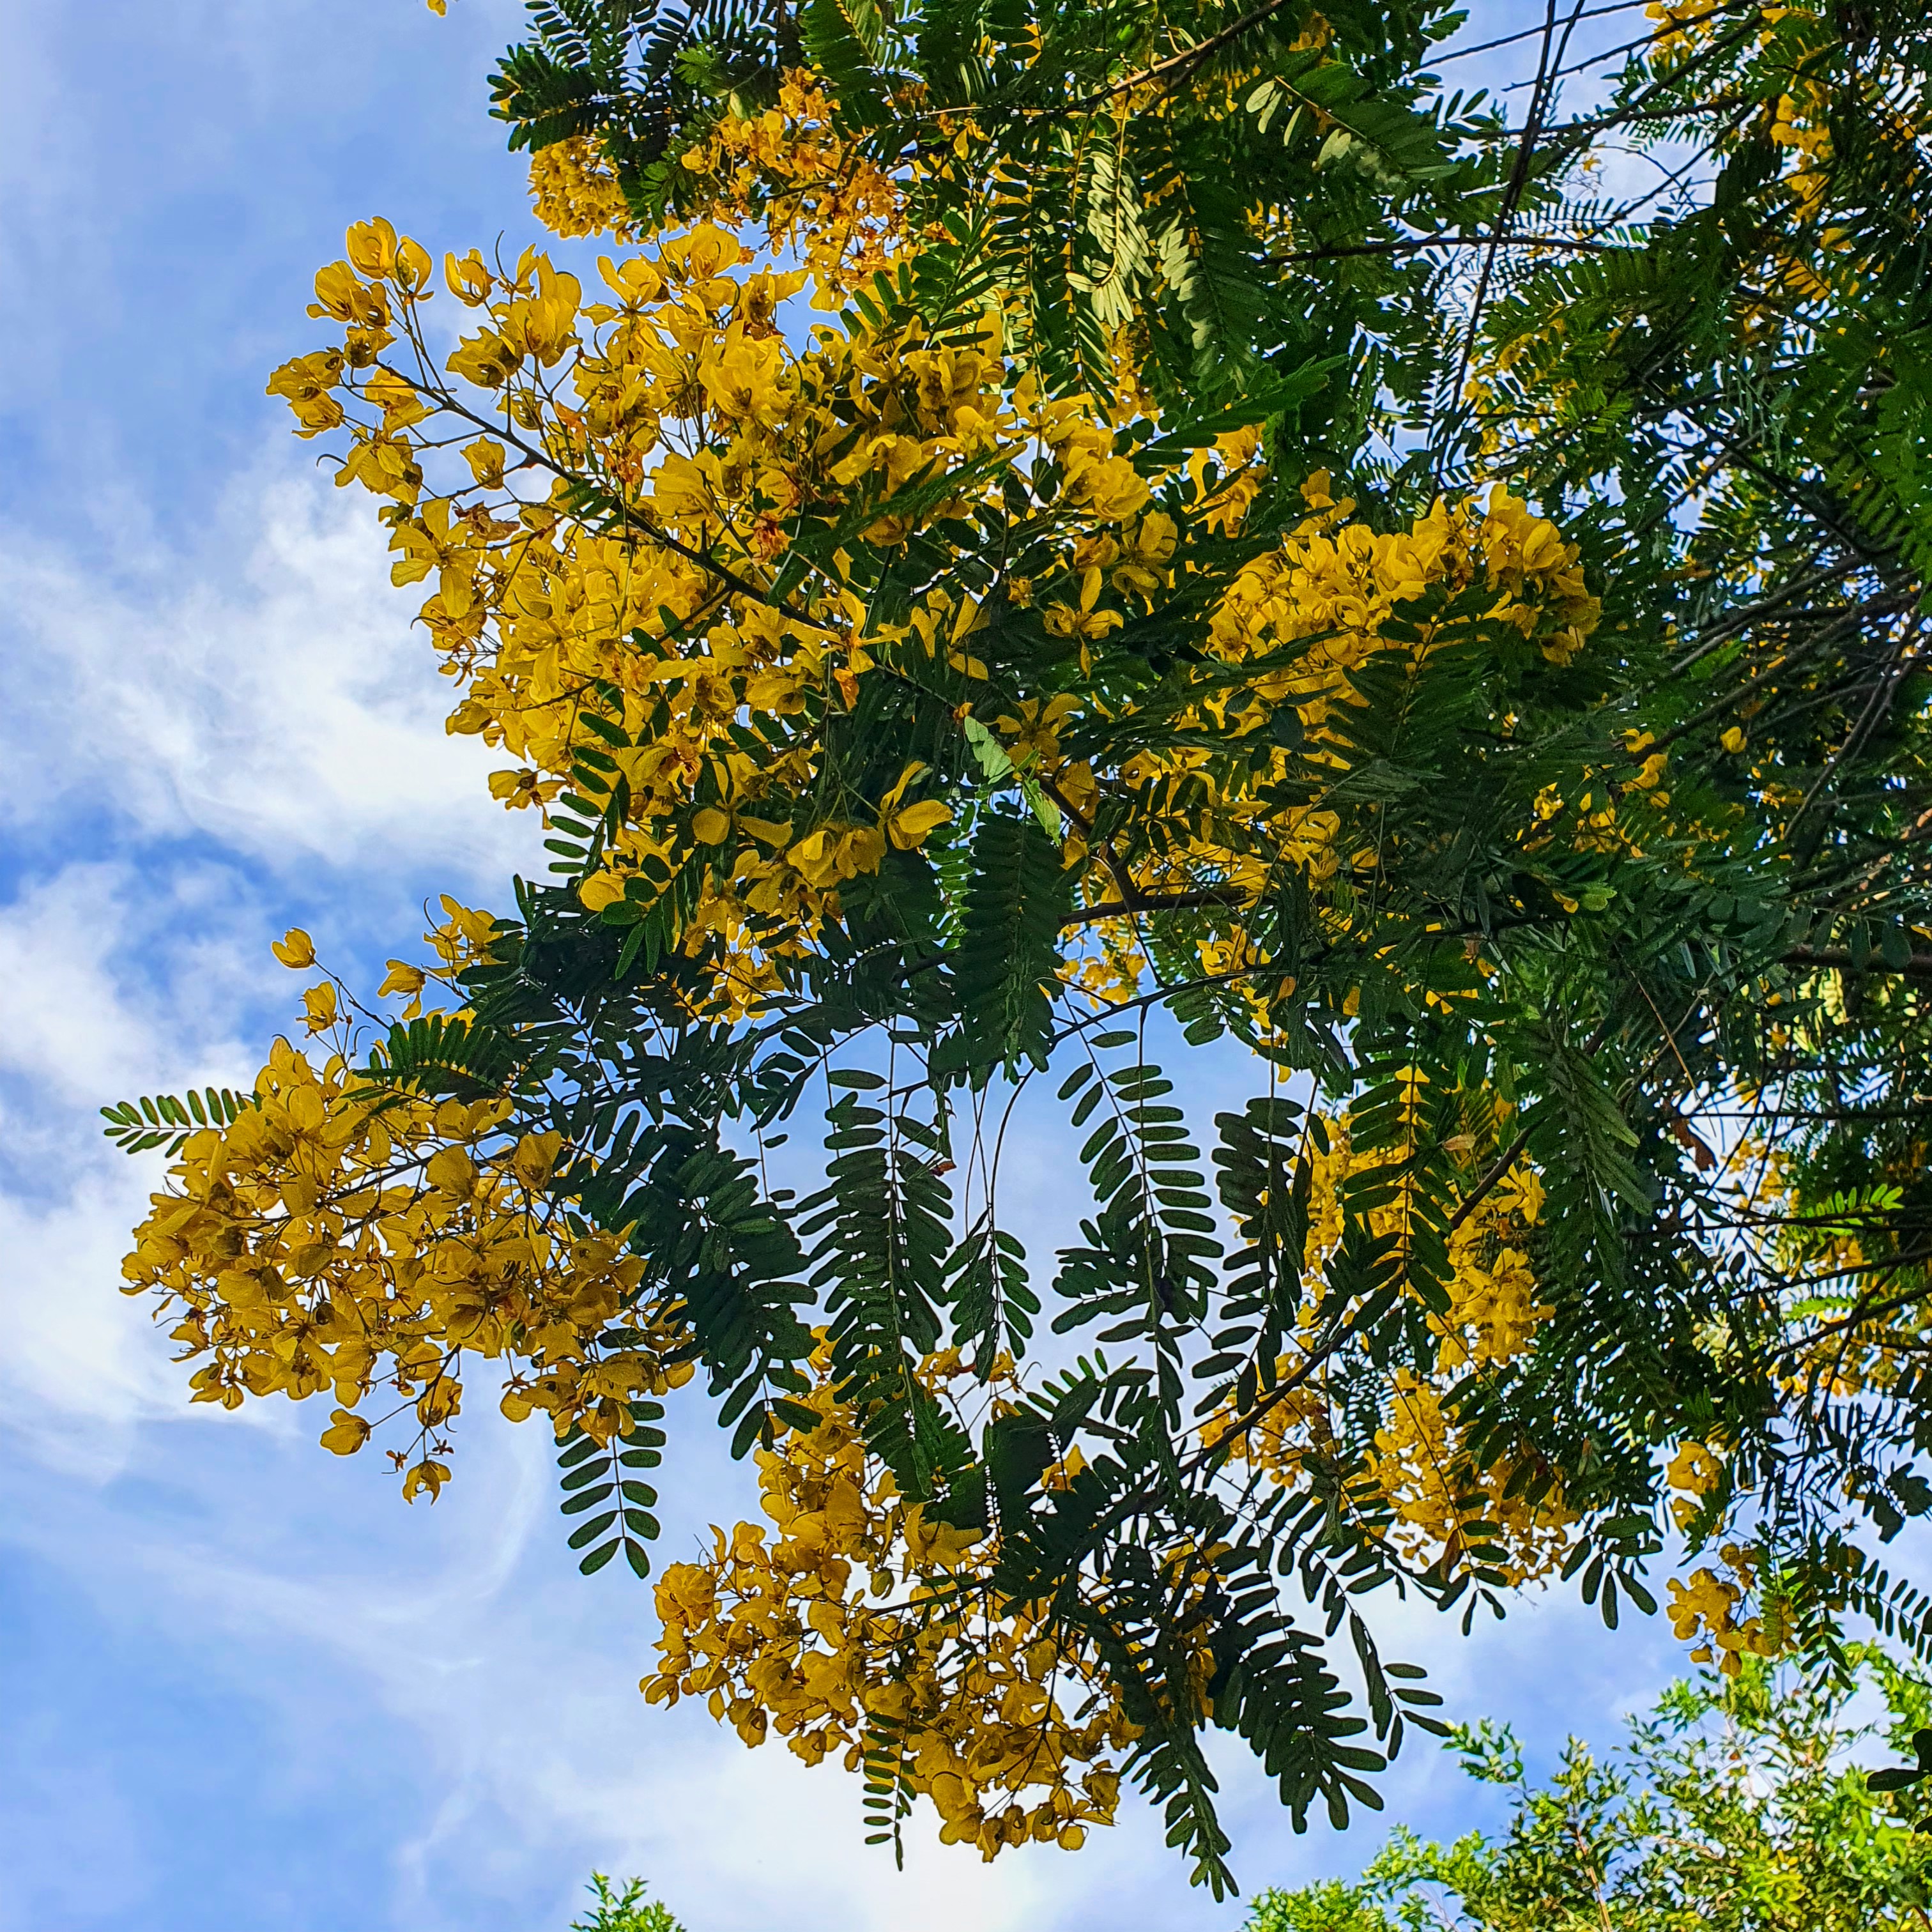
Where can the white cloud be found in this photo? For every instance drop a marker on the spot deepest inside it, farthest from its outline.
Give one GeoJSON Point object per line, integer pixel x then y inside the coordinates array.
{"type": "Point", "coordinates": [253, 722]}
{"type": "Point", "coordinates": [459, 1644]}
{"type": "Point", "coordinates": [101, 998]}
{"type": "Point", "coordinates": [267, 690]}
{"type": "Point", "coordinates": [456, 1648]}
{"type": "Point", "coordinates": [118, 979]}
{"type": "Point", "coordinates": [67, 1030]}
{"type": "Point", "coordinates": [82, 1366]}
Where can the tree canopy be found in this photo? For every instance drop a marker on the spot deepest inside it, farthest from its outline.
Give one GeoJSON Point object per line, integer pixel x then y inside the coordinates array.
{"type": "Point", "coordinates": [632, 1909]}
{"type": "Point", "coordinates": [1736, 1805]}
{"type": "Point", "coordinates": [1061, 534]}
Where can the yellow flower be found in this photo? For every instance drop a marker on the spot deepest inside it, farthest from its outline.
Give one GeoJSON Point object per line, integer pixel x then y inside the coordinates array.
{"type": "Point", "coordinates": [1112, 488]}
{"type": "Point", "coordinates": [522, 787]}
{"type": "Point", "coordinates": [1694, 1469]}
{"type": "Point", "coordinates": [909, 827]}
{"type": "Point", "coordinates": [306, 384]}
{"type": "Point", "coordinates": [374, 249]}
{"type": "Point", "coordinates": [912, 827]}
{"type": "Point", "coordinates": [747, 381]}
{"type": "Point", "coordinates": [834, 852]}
{"type": "Point", "coordinates": [485, 359]}
{"type": "Point", "coordinates": [1149, 549]}
{"type": "Point", "coordinates": [1064, 621]}
{"type": "Point", "coordinates": [340, 294]}
{"type": "Point", "coordinates": [469, 280]}
{"type": "Point", "coordinates": [295, 949]}
{"type": "Point", "coordinates": [485, 459]}
{"type": "Point", "coordinates": [425, 1475]}
{"type": "Point", "coordinates": [346, 1432]}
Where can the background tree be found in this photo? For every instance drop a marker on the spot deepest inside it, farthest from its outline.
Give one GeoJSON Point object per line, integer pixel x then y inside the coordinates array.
{"type": "Point", "coordinates": [1734, 1806]}
{"type": "Point", "coordinates": [1393, 622]}
{"type": "Point", "coordinates": [631, 1909]}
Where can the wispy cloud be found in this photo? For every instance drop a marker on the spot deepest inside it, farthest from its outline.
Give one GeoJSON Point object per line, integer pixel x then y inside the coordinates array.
{"type": "Point", "coordinates": [265, 690]}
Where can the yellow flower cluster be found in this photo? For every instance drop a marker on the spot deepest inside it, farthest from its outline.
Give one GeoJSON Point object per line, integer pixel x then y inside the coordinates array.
{"type": "Point", "coordinates": [626, 643]}
{"type": "Point", "coordinates": [343, 1237]}
{"type": "Point", "coordinates": [1829, 1249]}
{"type": "Point", "coordinates": [615, 585]}
{"type": "Point", "coordinates": [1695, 1471]}
{"type": "Point", "coordinates": [1418, 1467]}
{"type": "Point", "coordinates": [856, 1615]}
{"type": "Point", "coordinates": [574, 191]}
{"type": "Point", "coordinates": [1340, 583]}
{"type": "Point", "coordinates": [1809, 264]}
{"type": "Point", "coordinates": [1332, 587]}
{"type": "Point", "coordinates": [1708, 1606]}
{"type": "Point", "coordinates": [818, 199]}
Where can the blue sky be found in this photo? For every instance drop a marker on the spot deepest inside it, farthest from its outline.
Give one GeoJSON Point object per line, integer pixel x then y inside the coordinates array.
{"type": "Point", "coordinates": [244, 1687]}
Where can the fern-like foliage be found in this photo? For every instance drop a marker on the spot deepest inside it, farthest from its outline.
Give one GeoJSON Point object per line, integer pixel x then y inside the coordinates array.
{"type": "Point", "coordinates": [164, 1121]}
{"type": "Point", "coordinates": [1017, 896]}
{"type": "Point", "coordinates": [604, 1478]}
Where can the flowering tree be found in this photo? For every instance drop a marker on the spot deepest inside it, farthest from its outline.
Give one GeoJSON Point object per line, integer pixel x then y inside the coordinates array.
{"type": "Point", "coordinates": [1054, 528]}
